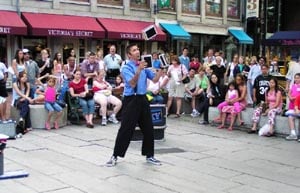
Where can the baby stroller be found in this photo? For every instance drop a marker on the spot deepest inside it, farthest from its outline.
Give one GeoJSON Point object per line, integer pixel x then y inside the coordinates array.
{"type": "Point", "coordinates": [73, 109]}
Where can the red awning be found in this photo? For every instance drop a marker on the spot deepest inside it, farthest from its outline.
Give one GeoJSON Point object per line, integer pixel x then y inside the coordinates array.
{"type": "Point", "coordinates": [11, 23]}
{"type": "Point", "coordinates": [130, 30]}
{"type": "Point", "coordinates": [41, 24]}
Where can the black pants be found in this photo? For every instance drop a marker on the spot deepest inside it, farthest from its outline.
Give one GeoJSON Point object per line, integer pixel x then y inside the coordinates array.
{"type": "Point", "coordinates": [136, 110]}
{"type": "Point", "coordinates": [203, 107]}
{"type": "Point", "coordinates": [23, 106]}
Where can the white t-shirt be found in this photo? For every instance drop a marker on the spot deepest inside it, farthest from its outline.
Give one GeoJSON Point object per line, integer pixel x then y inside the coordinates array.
{"type": "Point", "coordinates": [3, 70]}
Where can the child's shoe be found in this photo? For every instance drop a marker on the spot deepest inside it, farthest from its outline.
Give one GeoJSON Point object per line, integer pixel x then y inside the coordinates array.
{"type": "Point", "coordinates": [47, 126]}
{"type": "Point", "coordinates": [56, 126]}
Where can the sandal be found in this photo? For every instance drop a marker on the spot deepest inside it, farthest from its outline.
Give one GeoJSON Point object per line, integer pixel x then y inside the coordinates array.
{"type": "Point", "coordinates": [177, 115]}
{"type": "Point", "coordinates": [230, 129]}
{"type": "Point", "coordinates": [221, 127]}
{"type": "Point", "coordinates": [242, 123]}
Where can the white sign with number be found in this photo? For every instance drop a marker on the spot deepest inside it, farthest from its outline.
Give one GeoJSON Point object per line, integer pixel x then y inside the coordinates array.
{"type": "Point", "coordinates": [252, 8]}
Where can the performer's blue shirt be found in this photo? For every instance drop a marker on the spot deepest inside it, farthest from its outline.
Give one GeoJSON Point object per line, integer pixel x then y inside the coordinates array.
{"type": "Point", "coordinates": [128, 72]}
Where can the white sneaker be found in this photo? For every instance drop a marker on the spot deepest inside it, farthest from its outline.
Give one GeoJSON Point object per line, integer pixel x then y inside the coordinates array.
{"type": "Point", "coordinates": [113, 119]}
{"type": "Point", "coordinates": [112, 161]}
{"type": "Point", "coordinates": [291, 137]}
{"type": "Point", "coordinates": [104, 121]}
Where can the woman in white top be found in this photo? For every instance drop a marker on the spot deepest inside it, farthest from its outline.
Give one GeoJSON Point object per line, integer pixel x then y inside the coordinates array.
{"type": "Point", "coordinates": [231, 66]}
{"type": "Point", "coordinates": [21, 100]}
{"type": "Point", "coordinates": [18, 64]}
{"type": "Point", "coordinates": [103, 96]}
{"type": "Point", "coordinates": [177, 72]}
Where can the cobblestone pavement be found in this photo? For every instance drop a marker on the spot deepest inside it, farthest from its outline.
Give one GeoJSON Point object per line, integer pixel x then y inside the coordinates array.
{"type": "Point", "coordinates": [195, 159]}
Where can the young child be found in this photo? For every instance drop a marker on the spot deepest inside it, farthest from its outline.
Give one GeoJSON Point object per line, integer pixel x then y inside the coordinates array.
{"type": "Point", "coordinates": [50, 103]}
{"type": "Point", "coordinates": [231, 95]}
{"type": "Point", "coordinates": [119, 82]}
{"type": "Point", "coordinates": [293, 93]}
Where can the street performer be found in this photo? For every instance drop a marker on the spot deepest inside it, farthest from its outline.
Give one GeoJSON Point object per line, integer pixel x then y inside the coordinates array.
{"type": "Point", "coordinates": [136, 107]}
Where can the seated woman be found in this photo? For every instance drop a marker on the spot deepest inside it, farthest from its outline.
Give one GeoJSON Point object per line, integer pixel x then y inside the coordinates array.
{"type": "Point", "coordinates": [103, 96]}
{"type": "Point", "coordinates": [230, 109]}
{"type": "Point", "coordinates": [274, 102]}
{"type": "Point", "coordinates": [21, 100]}
{"type": "Point", "coordinates": [79, 88]}
{"type": "Point", "coordinates": [215, 95]}
{"type": "Point", "coordinates": [201, 91]}
{"type": "Point", "coordinates": [153, 89]}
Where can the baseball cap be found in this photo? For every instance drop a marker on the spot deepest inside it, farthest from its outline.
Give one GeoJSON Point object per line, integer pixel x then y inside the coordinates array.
{"type": "Point", "coordinates": [25, 51]}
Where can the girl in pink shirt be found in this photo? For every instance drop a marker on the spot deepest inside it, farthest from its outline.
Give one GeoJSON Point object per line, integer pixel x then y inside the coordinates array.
{"type": "Point", "coordinates": [294, 92]}
{"type": "Point", "coordinates": [274, 101]}
{"type": "Point", "coordinates": [50, 103]}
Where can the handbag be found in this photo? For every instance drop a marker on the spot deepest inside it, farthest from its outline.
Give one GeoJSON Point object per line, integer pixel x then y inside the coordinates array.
{"type": "Point", "coordinates": [186, 79]}
{"type": "Point", "coordinates": [89, 95]}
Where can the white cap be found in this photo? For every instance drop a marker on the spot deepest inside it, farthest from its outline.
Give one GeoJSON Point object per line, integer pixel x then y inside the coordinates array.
{"type": "Point", "coordinates": [25, 50]}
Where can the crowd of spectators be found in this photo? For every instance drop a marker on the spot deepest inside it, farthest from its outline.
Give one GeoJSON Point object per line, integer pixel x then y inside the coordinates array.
{"type": "Point", "coordinates": [230, 86]}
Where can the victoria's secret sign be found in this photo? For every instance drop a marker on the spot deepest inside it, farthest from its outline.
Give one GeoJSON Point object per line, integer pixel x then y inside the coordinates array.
{"type": "Point", "coordinates": [71, 33]}
{"type": "Point", "coordinates": [5, 30]}
{"type": "Point", "coordinates": [131, 36]}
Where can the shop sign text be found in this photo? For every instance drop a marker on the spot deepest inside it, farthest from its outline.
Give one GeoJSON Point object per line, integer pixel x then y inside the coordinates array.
{"type": "Point", "coordinates": [71, 33]}
{"type": "Point", "coordinates": [131, 36]}
{"type": "Point", "coordinates": [5, 30]}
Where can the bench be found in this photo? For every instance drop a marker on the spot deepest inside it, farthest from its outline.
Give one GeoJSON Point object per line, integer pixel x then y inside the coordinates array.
{"type": "Point", "coordinates": [38, 116]}
{"type": "Point", "coordinates": [281, 122]}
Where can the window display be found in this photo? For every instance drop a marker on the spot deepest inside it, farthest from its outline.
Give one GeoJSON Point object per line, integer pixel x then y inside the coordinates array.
{"type": "Point", "coordinates": [191, 6]}
{"type": "Point", "coordinates": [168, 5]}
{"type": "Point", "coordinates": [233, 8]}
{"type": "Point", "coordinates": [213, 7]}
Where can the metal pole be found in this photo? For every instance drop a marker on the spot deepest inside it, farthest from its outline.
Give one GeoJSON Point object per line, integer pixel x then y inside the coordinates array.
{"type": "Point", "coordinates": [1, 163]}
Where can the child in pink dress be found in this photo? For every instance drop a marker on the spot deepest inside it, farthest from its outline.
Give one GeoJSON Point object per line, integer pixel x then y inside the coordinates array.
{"type": "Point", "coordinates": [294, 92]}
{"type": "Point", "coordinates": [50, 103]}
{"type": "Point", "coordinates": [231, 95]}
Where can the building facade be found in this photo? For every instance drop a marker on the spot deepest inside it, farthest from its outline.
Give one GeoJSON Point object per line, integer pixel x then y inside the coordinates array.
{"type": "Point", "coordinates": [96, 24]}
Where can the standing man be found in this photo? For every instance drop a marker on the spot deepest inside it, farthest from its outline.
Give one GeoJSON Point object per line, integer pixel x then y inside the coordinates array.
{"type": "Point", "coordinates": [113, 63]}
{"type": "Point", "coordinates": [219, 70]}
{"type": "Point", "coordinates": [136, 107]}
{"type": "Point", "coordinates": [32, 70]}
{"type": "Point", "coordinates": [89, 69]}
{"type": "Point", "coordinates": [184, 59]}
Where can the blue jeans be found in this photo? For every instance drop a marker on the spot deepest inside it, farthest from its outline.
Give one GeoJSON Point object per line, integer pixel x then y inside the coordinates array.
{"type": "Point", "coordinates": [88, 106]}
{"type": "Point", "coordinates": [157, 99]}
{"type": "Point", "coordinates": [52, 106]}
{"type": "Point", "coordinates": [64, 89]}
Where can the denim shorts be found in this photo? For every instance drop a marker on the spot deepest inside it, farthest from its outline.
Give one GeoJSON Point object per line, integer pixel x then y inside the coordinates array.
{"type": "Point", "coordinates": [52, 106]}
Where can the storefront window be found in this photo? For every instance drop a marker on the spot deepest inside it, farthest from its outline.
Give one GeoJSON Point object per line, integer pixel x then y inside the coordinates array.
{"type": "Point", "coordinates": [111, 2]}
{"type": "Point", "coordinates": [139, 3]}
{"type": "Point", "coordinates": [35, 45]}
{"type": "Point", "coordinates": [213, 7]}
{"type": "Point", "coordinates": [191, 6]}
{"type": "Point", "coordinates": [3, 48]}
{"type": "Point", "coordinates": [233, 8]}
{"type": "Point", "coordinates": [168, 5]}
